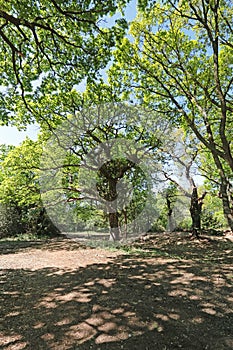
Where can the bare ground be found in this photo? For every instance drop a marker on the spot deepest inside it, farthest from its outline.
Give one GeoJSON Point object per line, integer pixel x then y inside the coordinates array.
{"type": "Point", "coordinates": [163, 292]}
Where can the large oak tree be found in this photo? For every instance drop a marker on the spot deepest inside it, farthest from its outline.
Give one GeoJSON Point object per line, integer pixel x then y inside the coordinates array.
{"type": "Point", "coordinates": [103, 154]}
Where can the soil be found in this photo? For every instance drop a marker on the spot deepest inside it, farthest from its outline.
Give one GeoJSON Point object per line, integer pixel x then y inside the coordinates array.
{"type": "Point", "coordinates": [163, 291]}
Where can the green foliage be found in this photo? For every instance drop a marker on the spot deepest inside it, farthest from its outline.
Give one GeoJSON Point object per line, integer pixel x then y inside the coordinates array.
{"type": "Point", "coordinates": [95, 158]}
{"type": "Point", "coordinates": [10, 220]}
{"type": "Point", "coordinates": [212, 215]}
{"type": "Point", "coordinates": [178, 61]}
{"type": "Point", "coordinates": [21, 209]}
{"type": "Point", "coordinates": [19, 174]}
{"type": "Point", "coordinates": [49, 46]}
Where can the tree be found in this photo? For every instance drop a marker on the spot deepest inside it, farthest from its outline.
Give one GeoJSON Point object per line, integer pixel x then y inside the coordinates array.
{"type": "Point", "coordinates": [212, 213]}
{"type": "Point", "coordinates": [21, 207]}
{"type": "Point", "coordinates": [179, 61]}
{"type": "Point", "coordinates": [45, 43]}
{"type": "Point", "coordinates": [181, 169]}
{"type": "Point", "coordinates": [171, 197]}
{"type": "Point", "coordinates": [109, 175]}
{"type": "Point", "coordinates": [102, 153]}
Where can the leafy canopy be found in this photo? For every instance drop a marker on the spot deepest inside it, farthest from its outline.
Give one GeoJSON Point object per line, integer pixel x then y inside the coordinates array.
{"type": "Point", "coordinates": [51, 44]}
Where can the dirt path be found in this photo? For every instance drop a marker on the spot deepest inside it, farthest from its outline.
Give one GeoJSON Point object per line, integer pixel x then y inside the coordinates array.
{"type": "Point", "coordinates": [35, 259]}
{"type": "Point", "coordinates": [165, 293]}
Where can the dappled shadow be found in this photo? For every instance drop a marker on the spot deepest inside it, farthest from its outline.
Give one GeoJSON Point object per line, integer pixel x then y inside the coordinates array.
{"type": "Point", "coordinates": [209, 249]}
{"type": "Point", "coordinates": [128, 303]}
{"type": "Point", "coordinates": [54, 244]}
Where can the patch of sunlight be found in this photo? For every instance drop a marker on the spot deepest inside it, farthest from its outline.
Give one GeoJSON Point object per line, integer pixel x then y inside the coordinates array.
{"type": "Point", "coordinates": [174, 316]}
{"type": "Point", "coordinates": [219, 281]}
{"type": "Point", "coordinates": [199, 278]}
{"type": "Point", "coordinates": [197, 320]}
{"type": "Point", "coordinates": [89, 284]}
{"type": "Point", "coordinates": [118, 311]}
{"type": "Point", "coordinates": [7, 341]}
{"type": "Point", "coordinates": [11, 293]}
{"type": "Point", "coordinates": [39, 325]}
{"type": "Point", "coordinates": [162, 317]}
{"type": "Point", "coordinates": [230, 299]}
{"type": "Point", "coordinates": [95, 320]}
{"type": "Point", "coordinates": [13, 314]}
{"type": "Point", "coordinates": [106, 338]}
{"type": "Point", "coordinates": [155, 326]}
{"type": "Point", "coordinates": [208, 308]}
{"type": "Point", "coordinates": [207, 305]}
{"type": "Point", "coordinates": [178, 293]}
{"type": "Point", "coordinates": [81, 332]}
{"type": "Point", "coordinates": [148, 276]}
{"type": "Point", "coordinates": [81, 297]}
{"type": "Point", "coordinates": [107, 327]}
{"type": "Point", "coordinates": [48, 336]}
{"type": "Point", "coordinates": [108, 283]}
{"type": "Point", "coordinates": [195, 297]}
{"type": "Point", "coordinates": [185, 278]}
{"type": "Point", "coordinates": [63, 322]}
{"type": "Point", "coordinates": [48, 304]}
{"type": "Point", "coordinates": [209, 311]}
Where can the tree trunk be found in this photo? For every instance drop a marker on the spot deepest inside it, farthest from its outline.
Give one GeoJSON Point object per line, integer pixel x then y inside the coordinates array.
{"type": "Point", "coordinates": [196, 210]}
{"type": "Point", "coordinates": [227, 202]}
{"type": "Point", "coordinates": [113, 213]}
{"type": "Point", "coordinates": [114, 226]}
{"type": "Point", "coordinates": [44, 224]}
{"type": "Point", "coordinates": [125, 222]}
{"type": "Point", "coordinates": [170, 223]}
{"type": "Point", "coordinates": [225, 192]}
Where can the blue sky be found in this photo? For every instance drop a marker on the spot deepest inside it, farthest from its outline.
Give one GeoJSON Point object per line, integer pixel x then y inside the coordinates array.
{"type": "Point", "coordinates": [12, 136]}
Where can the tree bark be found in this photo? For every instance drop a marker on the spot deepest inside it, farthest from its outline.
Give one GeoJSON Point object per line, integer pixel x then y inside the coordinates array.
{"type": "Point", "coordinates": [169, 215]}
{"type": "Point", "coordinates": [227, 202]}
{"type": "Point", "coordinates": [196, 210]}
{"type": "Point", "coordinates": [225, 192]}
{"type": "Point", "coordinates": [114, 227]}
{"type": "Point", "coordinates": [124, 212]}
{"type": "Point", "coordinates": [113, 213]}
{"type": "Point", "coordinates": [195, 213]}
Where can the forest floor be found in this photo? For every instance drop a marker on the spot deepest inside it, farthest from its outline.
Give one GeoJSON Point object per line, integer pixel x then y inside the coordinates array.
{"type": "Point", "coordinates": [162, 292]}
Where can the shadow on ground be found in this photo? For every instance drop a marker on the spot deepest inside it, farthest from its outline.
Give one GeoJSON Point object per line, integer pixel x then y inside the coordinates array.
{"type": "Point", "coordinates": [55, 244]}
{"type": "Point", "coordinates": [133, 302]}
